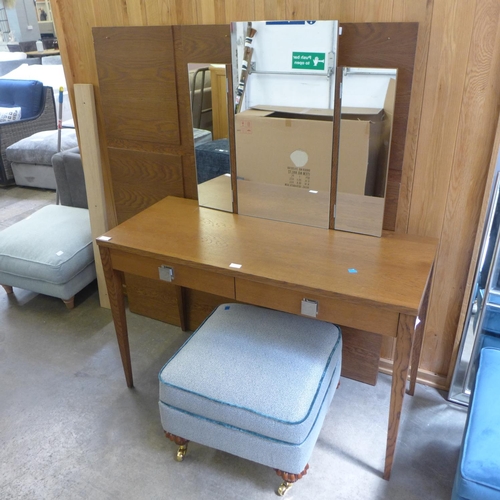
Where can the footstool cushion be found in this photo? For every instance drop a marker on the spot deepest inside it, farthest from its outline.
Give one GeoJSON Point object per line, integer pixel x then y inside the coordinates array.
{"type": "Point", "coordinates": [254, 382]}
{"type": "Point", "coordinates": [50, 252]}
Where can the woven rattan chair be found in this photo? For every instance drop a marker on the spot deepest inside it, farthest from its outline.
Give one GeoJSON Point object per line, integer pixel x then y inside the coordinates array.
{"type": "Point", "coordinates": [43, 118]}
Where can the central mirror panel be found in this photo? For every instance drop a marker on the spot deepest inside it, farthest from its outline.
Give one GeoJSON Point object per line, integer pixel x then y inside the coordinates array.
{"type": "Point", "coordinates": [284, 78]}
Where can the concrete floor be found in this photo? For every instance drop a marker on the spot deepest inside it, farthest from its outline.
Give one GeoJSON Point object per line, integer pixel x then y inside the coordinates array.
{"type": "Point", "coordinates": [70, 428]}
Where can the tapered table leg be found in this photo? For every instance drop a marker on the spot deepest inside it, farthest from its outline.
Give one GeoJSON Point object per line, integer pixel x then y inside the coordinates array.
{"type": "Point", "coordinates": [404, 338]}
{"type": "Point", "coordinates": [419, 335]}
{"type": "Point", "coordinates": [114, 284]}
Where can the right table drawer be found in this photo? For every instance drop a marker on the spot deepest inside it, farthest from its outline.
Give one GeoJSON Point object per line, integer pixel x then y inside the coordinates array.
{"type": "Point", "coordinates": [342, 312]}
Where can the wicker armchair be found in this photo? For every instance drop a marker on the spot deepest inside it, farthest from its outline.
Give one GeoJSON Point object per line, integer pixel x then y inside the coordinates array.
{"type": "Point", "coordinates": [44, 118]}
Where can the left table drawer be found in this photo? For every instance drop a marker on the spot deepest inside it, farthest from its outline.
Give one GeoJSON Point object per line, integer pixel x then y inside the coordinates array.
{"type": "Point", "coordinates": [186, 276]}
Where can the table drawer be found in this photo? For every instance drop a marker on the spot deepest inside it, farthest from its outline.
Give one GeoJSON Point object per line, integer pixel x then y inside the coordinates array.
{"type": "Point", "coordinates": [344, 313]}
{"type": "Point", "coordinates": [186, 276]}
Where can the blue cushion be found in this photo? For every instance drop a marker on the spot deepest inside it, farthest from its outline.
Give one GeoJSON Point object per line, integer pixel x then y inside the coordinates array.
{"type": "Point", "coordinates": [262, 371]}
{"type": "Point", "coordinates": [478, 476]}
{"type": "Point", "coordinates": [28, 94]}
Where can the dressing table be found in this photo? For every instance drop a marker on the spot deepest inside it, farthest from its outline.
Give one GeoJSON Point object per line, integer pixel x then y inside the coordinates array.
{"type": "Point", "coordinates": [371, 287]}
{"type": "Point", "coordinates": [372, 284]}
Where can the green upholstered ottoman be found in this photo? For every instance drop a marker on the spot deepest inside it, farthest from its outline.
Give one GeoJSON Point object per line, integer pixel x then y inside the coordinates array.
{"type": "Point", "coordinates": [253, 382]}
{"type": "Point", "coordinates": [49, 253]}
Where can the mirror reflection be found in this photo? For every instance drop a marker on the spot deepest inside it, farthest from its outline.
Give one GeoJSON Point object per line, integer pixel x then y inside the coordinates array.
{"type": "Point", "coordinates": [284, 98]}
{"type": "Point", "coordinates": [368, 100]}
{"type": "Point", "coordinates": [208, 97]}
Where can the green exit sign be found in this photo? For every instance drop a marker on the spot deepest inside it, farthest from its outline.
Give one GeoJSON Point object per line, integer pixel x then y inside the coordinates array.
{"type": "Point", "coordinates": [308, 60]}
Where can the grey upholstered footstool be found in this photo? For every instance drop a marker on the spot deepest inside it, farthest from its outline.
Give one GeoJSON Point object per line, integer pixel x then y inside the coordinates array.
{"type": "Point", "coordinates": [255, 383]}
{"type": "Point", "coordinates": [50, 253]}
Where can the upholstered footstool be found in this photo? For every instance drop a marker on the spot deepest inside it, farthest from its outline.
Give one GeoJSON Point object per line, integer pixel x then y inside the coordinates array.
{"type": "Point", "coordinates": [255, 383]}
{"type": "Point", "coordinates": [49, 253]}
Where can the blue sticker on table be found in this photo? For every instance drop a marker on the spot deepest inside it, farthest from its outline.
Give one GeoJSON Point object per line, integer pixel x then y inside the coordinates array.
{"type": "Point", "coordinates": [353, 271]}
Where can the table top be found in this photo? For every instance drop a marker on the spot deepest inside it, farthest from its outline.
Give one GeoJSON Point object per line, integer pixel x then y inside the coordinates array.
{"type": "Point", "coordinates": [389, 272]}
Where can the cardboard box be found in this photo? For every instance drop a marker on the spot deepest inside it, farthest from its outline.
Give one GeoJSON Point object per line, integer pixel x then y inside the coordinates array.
{"type": "Point", "coordinates": [285, 146]}
{"type": "Point", "coordinates": [292, 147]}
{"type": "Point", "coordinates": [361, 140]}
{"type": "Point", "coordinates": [365, 138]}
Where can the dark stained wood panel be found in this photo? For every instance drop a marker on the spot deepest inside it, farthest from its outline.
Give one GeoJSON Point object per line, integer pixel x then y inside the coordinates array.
{"type": "Point", "coordinates": [385, 45]}
{"type": "Point", "coordinates": [360, 355]}
{"type": "Point", "coordinates": [206, 43]}
{"type": "Point", "coordinates": [141, 179]}
{"type": "Point", "coordinates": [152, 298]}
{"type": "Point", "coordinates": [137, 84]}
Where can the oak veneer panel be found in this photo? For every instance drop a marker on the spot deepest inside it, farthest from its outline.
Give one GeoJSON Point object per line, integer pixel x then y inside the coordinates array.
{"type": "Point", "coordinates": [341, 10]}
{"type": "Point", "coordinates": [379, 11]}
{"type": "Point", "coordinates": [421, 11]}
{"type": "Point", "coordinates": [111, 13]}
{"type": "Point", "coordinates": [187, 12]}
{"type": "Point", "coordinates": [205, 10]}
{"type": "Point", "coordinates": [450, 42]}
{"type": "Point", "coordinates": [137, 85]}
{"type": "Point", "coordinates": [298, 9]}
{"type": "Point", "coordinates": [141, 179]}
{"type": "Point", "coordinates": [160, 12]}
{"type": "Point", "coordinates": [481, 93]}
{"type": "Point", "coordinates": [268, 10]}
{"type": "Point", "coordinates": [239, 11]}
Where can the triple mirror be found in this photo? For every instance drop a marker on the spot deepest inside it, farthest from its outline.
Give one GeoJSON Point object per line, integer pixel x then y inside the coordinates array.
{"type": "Point", "coordinates": [284, 94]}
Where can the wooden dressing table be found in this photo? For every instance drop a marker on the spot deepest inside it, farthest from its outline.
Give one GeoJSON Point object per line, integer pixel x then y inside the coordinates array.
{"type": "Point", "coordinates": [373, 284]}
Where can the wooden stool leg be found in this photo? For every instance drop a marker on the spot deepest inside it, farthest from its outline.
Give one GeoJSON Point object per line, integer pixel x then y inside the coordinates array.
{"type": "Point", "coordinates": [8, 289]}
{"type": "Point", "coordinates": [288, 480]}
{"type": "Point", "coordinates": [70, 303]}
{"type": "Point", "coordinates": [181, 442]}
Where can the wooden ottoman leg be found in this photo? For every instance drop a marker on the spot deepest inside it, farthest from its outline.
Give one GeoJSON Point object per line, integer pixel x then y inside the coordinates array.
{"type": "Point", "coordinates": [70, 303]}
{"type": "Point", "coordinates": [8, 288]}
{"type": "Point", "coordinates": [288, 480]}
{"type": "Point", "coordinates": [181, 442]}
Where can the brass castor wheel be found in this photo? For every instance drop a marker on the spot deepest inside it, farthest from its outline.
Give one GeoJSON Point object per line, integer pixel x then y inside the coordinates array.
{"type": "Point", "coordinates": [283, 488]}
{"type": "Point", "coordinates": [181, 452]}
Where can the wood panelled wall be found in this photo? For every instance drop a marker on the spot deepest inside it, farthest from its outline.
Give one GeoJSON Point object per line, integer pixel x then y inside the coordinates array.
{"type": "Point", "coordinates": [453, 116]}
